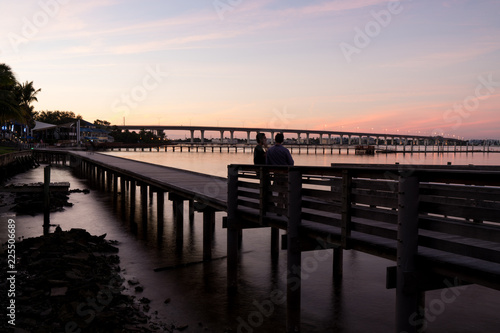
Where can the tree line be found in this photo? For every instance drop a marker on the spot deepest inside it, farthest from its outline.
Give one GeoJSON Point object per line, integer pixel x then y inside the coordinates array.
{"type": "Point", "coordinates": [16, 98]}
{"type": "Point", "coordinates": [16, 101]}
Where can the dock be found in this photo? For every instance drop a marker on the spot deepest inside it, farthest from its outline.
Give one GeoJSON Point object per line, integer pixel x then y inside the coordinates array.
{"type": "Point", "coordinates": [439, 224]}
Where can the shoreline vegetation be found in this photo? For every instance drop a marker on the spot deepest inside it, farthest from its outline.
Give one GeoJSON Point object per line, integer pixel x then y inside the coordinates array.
{"type": "Point", "coordinates": [69, 281]}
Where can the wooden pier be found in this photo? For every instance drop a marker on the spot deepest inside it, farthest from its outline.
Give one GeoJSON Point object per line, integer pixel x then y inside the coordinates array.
{"type": "Point", "coordinates": [439, 224]}
{"type": "Point", "coordinates": [317, 149]}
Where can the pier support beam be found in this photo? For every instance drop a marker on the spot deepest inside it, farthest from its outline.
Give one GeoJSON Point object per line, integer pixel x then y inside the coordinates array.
{"type": "Point", "coordinates": [178, 212]}
{"type": "Point", "coordinates": [46, 200]}
{"type": "Point", "coordinates": [338, 262]}
{"type": "Point", "coordinates": [144, 202]}
{"type": "Point", "coordinates": [208, 231]}
{"type": "Point", "coordinates": [122, 190]}
{"type": "Point", "coordinates": [294, 261]}
{"type": "Point", "coordinates": [233, 231]}
{"type": "Point", "coordinates": [160, 204]}
{"type": "Point", "coordinates": [275, 242]}
{"type": "Point", "coordinates": [407, 295]}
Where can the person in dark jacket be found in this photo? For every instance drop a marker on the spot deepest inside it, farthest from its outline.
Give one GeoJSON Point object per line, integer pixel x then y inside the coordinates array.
{"type": "Point", "coordinates": [278, 154]}
{"type": "Point", "coordinates": [259, 153]}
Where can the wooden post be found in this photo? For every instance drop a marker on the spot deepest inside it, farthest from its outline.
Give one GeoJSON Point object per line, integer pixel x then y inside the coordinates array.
{"type": "Point", "coordinates": [151, 194]}
{"type": "Point", "coordinates": [144, 202]}
{"type": "Point", "coordinates": [407, 295]}
{"type": "Point", "coordinates": [122, 190]}
{"type": "Point", "coordinates": [115, 186]}
{"type": "Point", "coordinates": [232, 228]}
{"type": "Point", "coordinates": [293, 284]}
{"type": "Point", "coordinates": [191, 211]}
{"type": "Point", "coordinates": [338, 262]}
{"type": "Point", "coordinates": [178, 210]}
{"type": "Point", "coordinates": [133, 185]}
{"type": "Point", "coordinates": [275, 242]}
{"type": "Point", "coordinates": [132, 192]}
{"type": "Point", "coordinates": [346, 208]}
{"type": "Point", "coordinates": [102, 179]}
{"type": "Point", "coordinates": [109, 179]}
{"type": "Point", "coordinates": [208, 227]}
{"type": "Point", "coordinates": [160, 204]}
{"type": "Point", "coordinates": [46, 200]}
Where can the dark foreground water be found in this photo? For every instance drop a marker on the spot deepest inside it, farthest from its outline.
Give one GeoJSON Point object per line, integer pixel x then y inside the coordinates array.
{"type": "Point", "coordinates": [197, 292]}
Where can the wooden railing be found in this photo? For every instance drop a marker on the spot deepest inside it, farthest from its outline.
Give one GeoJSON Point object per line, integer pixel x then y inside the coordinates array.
{"type": "Point", "coordinates": [457, 201]}
{"type": "Point", "coordinates": [434, 221]}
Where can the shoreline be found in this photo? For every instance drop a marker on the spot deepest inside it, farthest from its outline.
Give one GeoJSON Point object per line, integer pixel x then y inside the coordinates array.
{"type": "Point", "coordinates": [70, 281]}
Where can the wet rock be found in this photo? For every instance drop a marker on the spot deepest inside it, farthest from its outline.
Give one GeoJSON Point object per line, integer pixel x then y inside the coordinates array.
{"type": "Point", "coordinates": [70, 281]}
{"type": "Point", "coordinates": [181, 327]}
{"type": "Point", "coordinates": [133, 281]}
{"type": "Point", "coordinates": [145, 300]}
{"type": "Point", "coordinates": [77, 190]}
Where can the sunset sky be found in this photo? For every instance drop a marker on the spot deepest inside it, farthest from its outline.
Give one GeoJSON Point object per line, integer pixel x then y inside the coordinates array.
{"type": "Point", "coordinates": [421, 66]}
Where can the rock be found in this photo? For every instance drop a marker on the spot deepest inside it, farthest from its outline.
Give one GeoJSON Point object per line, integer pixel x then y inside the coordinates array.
{"type": "Point", "coordinates": [133, 281]}
{"type": "Point", "coordinates": [145, 300]}
{"type": "Point", "coordinates": [139, 289]}
{"type": "Point", "coordinates": [59, 274]}
{"type": "Point", "coordinates": [58, 291]}
{"type": "Point", "coordinates": [167, 301]}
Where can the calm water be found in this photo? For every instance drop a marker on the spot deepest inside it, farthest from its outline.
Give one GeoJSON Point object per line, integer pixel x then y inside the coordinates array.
{"type": "Point", "coordinates": [360, 303]}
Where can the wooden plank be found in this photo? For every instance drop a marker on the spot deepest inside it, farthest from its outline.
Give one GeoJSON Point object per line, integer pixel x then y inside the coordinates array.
{"type": "Point", "coordinates": [466, 229]}
{"type": "Point", "coordinates": [331, 207]}
{"type": "Point", "coordinates": [474, 248]}
{"type": "Point", "coordinates": [485, 214]}
{"type": "Point", "coordinates": [375, 199]}
{"type": "Point", "coordinates": [461, 191]}
{"type": "Point", "coordinates": [328, 196]}
{"type": "Point", "coordinates": [376, 214]}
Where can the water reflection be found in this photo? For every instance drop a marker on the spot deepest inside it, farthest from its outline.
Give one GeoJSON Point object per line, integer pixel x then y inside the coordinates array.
{"type": "Point", "coordinates": [197, 291]}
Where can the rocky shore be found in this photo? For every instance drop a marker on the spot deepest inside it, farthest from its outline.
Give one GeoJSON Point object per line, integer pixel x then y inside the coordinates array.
{"type": "Point", "coordinates": [70, 281]}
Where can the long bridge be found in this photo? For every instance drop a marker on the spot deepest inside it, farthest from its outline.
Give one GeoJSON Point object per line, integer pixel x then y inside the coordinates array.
{"type": "Point", "coordinates": [325, 136]}
{"type": "Point", "coordinates": [439, 224]}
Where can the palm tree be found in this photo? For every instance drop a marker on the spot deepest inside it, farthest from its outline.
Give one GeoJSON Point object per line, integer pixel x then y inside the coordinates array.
{"type": "Point", "coordinates": [9, 105]}
{"type": "Point", "coordinates": [26, 95]}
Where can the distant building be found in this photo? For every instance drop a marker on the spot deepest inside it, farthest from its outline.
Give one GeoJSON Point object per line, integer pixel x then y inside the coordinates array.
{"type": "Point", "coordinates": [67, 134]}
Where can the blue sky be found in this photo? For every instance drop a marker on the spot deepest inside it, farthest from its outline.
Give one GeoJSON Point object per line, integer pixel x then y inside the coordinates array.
{"type": "Point", "coordinates": [428, 67]}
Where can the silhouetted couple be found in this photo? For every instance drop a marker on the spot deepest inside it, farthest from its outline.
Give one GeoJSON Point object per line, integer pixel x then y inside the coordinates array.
{"type": "Point", "coordinates": [275, 155]}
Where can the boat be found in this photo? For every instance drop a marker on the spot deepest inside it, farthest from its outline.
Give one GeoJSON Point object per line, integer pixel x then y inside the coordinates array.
{"type": "Point", "coordinates": [365, 150]}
